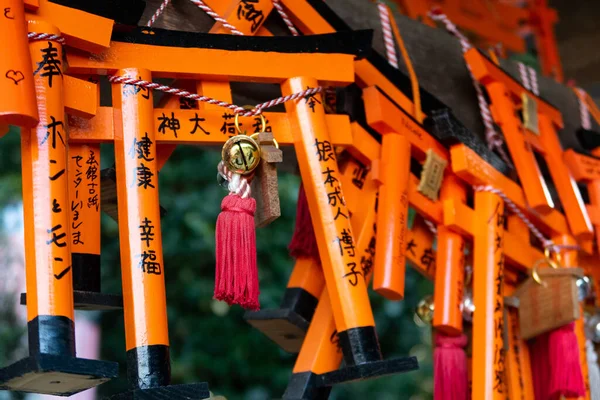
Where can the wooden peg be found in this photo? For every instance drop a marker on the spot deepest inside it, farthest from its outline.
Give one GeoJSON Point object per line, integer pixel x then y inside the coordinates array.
{"type": "Point", "coordinates": [264, 184]}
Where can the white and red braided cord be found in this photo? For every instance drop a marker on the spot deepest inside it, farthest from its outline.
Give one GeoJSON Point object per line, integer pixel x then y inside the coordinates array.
{"type": "Point", "coordinates": [202, 5]}
{"type": "Point", "coordinates": [158, 12]}
{"type": "Point", "coordinates": [584, 111]}
{"type": "Point", "coordinates": [45, 36]}
{"type": "Point", "coordinates": [493, 139]}
{"type": "Point", "coordinates": [237, 184]}
{"type": "Point", "coordinates": [546, 243]}
{"type": "Point", "coordinates": [286, 19]}
{"type": "Point", "coordinates": [236, 109]}
{"type": "Point", "coordinates": [388, 38]}
{"type": "Point", "coordinates": [529, 78]}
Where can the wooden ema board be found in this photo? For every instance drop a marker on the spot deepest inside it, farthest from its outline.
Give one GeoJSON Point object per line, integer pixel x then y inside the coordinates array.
{"type": "Point", "coordinates": [552, 304]}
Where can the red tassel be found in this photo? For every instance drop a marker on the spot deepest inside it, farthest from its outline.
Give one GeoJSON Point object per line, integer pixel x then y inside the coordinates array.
{"type": "Point", "coordinates": [450, 373]}
{"type": "Point", "coordinates": [540, 365]}
{"type": "Point", "coordinates": [304, 242]}
{"type": "Point", "coordinates": [236, 280]}
{"type": "Point", "coordinates": [566, 378]}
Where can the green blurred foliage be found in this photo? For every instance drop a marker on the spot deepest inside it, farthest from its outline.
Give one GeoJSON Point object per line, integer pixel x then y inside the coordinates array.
{"type": "Point", "coordinates": [206, 346]}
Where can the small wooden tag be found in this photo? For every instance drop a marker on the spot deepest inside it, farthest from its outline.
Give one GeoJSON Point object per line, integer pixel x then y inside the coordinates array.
{"type": "Point", "coordinates": [264, 185]}
{"type": "Point", "coordinates": [530, 114]}
{"type": "Point", "coordinates": [551, 305]}
{"type": "Point", "coordinates": [432, 175]}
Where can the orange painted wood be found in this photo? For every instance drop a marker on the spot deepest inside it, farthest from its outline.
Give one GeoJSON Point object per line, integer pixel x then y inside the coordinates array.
{"type": "Point", "coordinates": [450, 264]}
{"type": "Point", "coordinates": [488, 322]}
{"type": "Point", "coordinates": [320, 176]}
{"type": "Point", "coordinates": [81, 97]}
{"type": "Point", "coordinates": [45, 194]}
{"type": "Point", "coordinates": [475, 171]}
{"type": "Point", "coordinates": [142, 266]}
{"type": "Point", "coordinates": [18, 101]}
{"type": "Point", "coordinates": [255, 66]}
{"type": "Point", "coordinates": [96, 130]}
{"type": "Point", "coordinates": [82, 30]}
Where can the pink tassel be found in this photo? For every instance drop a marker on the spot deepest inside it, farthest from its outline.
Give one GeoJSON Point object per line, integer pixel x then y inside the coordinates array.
{"type": "Point", "coordinates": [540, 365]}
{"type": "Point", "coordinates": [566, 378]}
{"type": "Point", "coordinates": [236, 280]}
{"type": "Point", "coordinates": [450, 373]}
{"type": "Point", "coordinates": [304, 242]}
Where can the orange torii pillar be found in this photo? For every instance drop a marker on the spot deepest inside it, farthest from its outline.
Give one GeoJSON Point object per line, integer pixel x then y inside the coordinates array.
{"type": "Point", "coordinates": [51, 367]}
{"type": "Point", "coordinates": [343, 276]}
{"type": "Point", "coordinates": [489, 356]}
{"type": "Point", "coordinates": [142, 268]}
{"type": "Point", "coordinates": [450, 267]}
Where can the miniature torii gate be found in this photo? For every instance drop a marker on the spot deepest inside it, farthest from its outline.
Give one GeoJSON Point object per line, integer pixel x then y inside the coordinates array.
{"type": "Point", "coordinates": [131, 131]}
{"type": "Point", "coordinates": [506, 96]}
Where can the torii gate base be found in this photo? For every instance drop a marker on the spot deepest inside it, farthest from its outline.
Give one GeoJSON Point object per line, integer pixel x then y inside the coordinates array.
{"type": "Point", "coordinates": [56, 375]}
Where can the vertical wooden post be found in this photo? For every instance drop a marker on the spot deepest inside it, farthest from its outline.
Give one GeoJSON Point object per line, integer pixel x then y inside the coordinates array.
{"type": "Point", "coordinates": [390, 262]}
{"type": "Point", "coordinates": [532, 180]}
{"type": "Point", "coordinates": [18, 101]}
{"type": "Point", "coordinates": [331, 220]}
{"type": "Point", "coordinates": [146, 330]}
{"type": "Point", "coordinates": [488, 320]}
{"type": "Point", "coordinates": [518, 364]}
{"type": "Point", "coordinates": [304, 287]}
{"type": "Point", "coordinates": [83, 175]}
{"type": "Point", "coordinates": [450, 266]}
{"type": "Point", "coordinates": [46, 209]}
{"type": "Point", "coordinates": [321, 351]}
{"type": "Point", "coordinates": [570, 259]}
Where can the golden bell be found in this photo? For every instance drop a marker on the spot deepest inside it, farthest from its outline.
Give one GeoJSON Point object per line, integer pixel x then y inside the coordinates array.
{"type": "Point", "coordinates": [425, 309]}
{"type": "Point", "coordinates": [241, 154]}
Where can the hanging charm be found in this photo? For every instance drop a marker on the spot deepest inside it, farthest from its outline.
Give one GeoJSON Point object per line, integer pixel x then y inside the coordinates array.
{"type": "Point", "coordinates": [264, 185]}
{"type": "Point", "coordinates": [548, 307]}
{"type": "Point", "coordinates": [236, 280]}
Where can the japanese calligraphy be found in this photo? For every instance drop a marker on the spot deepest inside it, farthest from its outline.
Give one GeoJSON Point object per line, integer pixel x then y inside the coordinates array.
{"type": "Point", "coordinates": [258, 125]}
{"type": "Point", "coordinates": [353, 275]}
{"type": "Point", "coordinates": [147, 231]}
{"type": "Point", "coordinates": [366, 262]}
{"type": "Point", "coordinates": [329, 178]}
{"type": "Point", "coordinates": [141, 148]}
{"type": "Point", "coordinates": [324, 150]}
{"type": "Point", "coordinates": [196, 120]}
{"type": "Point", "coordinates": [148, 263]}
{"type": "Point", "coordinates": [335, 197]}
{"type": "Point", "coordinates": [91, 175]}
{"type": "Point", "coordinates": [428, 258]}
{"type": "Point", "coordinates": [58, 174]}
{"type": "Point", "coordinates": [168, 123]}
{"type": "Point", "coordinates": [410, 246]}
{"type": "Point", "coordinates": [56, 236]}
{"type": "Point", "coordinates": [130, 89]}
{"type": "Point", "coordinates": [55, 206]}
{"type": "Point", "coordinates": [228, 128]}
{"type": "Point", "coordinates": [312, 101]}
{"type": "Point", "coordinates": [52, 129]}
{"type": "Point", "coordinates": [50, 64]}
{"type": "Point", "coordinates": [359, 174]}
{"type": "Point", "coordinates": [247, 11]}
{"type": "Point", "coordinates": [144, 176]}
{"type": "Point", "coordinates": [346, 243]}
